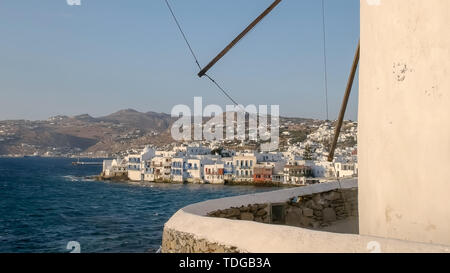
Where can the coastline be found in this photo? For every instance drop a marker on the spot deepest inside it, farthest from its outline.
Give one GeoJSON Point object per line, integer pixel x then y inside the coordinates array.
{"type": "Point", "coordinates": [125, 179]}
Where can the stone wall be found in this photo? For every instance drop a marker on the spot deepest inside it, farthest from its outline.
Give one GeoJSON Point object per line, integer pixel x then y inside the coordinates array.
{"type": "Point", "coordinates": [180, 242]}
{"type": "Point", "coordinates": [322, 209]}
{"type": "Point", "coordinates": [309, 211]}
{"type": "Point", "coordinates": [256, 212]}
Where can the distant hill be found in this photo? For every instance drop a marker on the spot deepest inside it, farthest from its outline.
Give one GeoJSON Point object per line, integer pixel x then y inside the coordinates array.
{"type": "Point", "coordinates": [134, 119]}
{"type": "Point", "coordinates": [85, 117]}
{"type": "Point", "coordinates": [63, 135]}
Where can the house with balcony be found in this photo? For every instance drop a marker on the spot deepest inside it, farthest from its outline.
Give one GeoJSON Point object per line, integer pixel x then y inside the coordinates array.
{"type": "Point", "coordinates": [136, 163]}
{"type": "Point", "coordinates": [262, 173]}
{"type": "Point", "coordinates": [346, 169]}
{"type": "Point", "coordinates": [178, 173]}
{"type": "Point", "coordinates": [115, 168]}
{"type": "Point", "coordinates": [323, 170]}
{"type": "Point", "coordinates": [194, 170]}
{"type": "Point", "coordinates": [243, 167]}
{"type": "Point", "coordinates": [228, 171]}
{"type": "Point", "coordinates": [297, 174]}
{"type": "Point", "coordinates": [214, 173]}
{"type": "Point", "coordinates": [159, 169]}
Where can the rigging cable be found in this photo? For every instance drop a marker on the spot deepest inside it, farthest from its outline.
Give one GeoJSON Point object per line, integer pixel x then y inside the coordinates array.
{"type": "Point", "coordinates": [225, 93]}
{"type": "Point", "coordinates": [326, 84]}
{"type": "Point", "coordinates": [184, 35]}
{"type": "Point", "coordinates": [222, 89]}
{"type": "Point", "coordinates": [325, 58]}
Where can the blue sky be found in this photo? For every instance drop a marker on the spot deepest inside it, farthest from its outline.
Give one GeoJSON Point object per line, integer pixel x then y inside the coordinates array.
{"type": "Point", "coordinates": [107, 55]}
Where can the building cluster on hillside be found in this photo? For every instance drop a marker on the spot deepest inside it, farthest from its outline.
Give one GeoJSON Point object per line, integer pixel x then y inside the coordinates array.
{"type": "Point", "coordinates": [317, 144]}
{"type": "Point", "coordinates": [195, 163]}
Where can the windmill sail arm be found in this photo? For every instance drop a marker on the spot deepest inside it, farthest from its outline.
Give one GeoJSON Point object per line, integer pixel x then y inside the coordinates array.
{"type": "Point", "coordinates": [238, 38]}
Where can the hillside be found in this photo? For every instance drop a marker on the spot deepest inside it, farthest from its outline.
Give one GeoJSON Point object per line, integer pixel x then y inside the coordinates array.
{"type": "Point", "coordinates": [84, 135]}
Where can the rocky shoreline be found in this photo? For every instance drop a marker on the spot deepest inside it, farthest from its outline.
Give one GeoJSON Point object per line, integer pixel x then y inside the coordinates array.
{"type": "Point", "coordinates": [125, 179]}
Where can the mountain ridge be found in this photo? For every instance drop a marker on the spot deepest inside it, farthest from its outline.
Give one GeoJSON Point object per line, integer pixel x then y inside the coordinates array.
{"type": "Point", "coordinates": [118, 131]}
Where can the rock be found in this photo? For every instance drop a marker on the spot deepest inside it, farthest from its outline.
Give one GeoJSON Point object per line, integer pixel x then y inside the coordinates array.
{"type": "Point", "coordinates": [246, 216]}
{"type": "Point", "coordinates": [332, 196]}
{"type": "Point", "coordinates": [316, 206]}
{"type": "Point", "coordinates": [318, 199]}
{"type": "Point", "coordinates": [220, 249]}
{"type": "Point", "coordinates": [293, 217]}
{"type": "Point", "coordinates": [233, 212]}
{"type": "Point", "coordinates": [261, 212]}
{"type": "Point", "coordinates": [329, 215]}
{"type": "Point", "coordinates": [309, 204]}
{"type": "Point", "coordinates": [214, 213]}
{"type": "Point", "coordinates": [308, 212]}
{"type": "Point", "coordinates": [244, 209]}
{"type": "Point", "coordinates": [306, 221]}
{"type": "Point", "coordinates": [172, 245]}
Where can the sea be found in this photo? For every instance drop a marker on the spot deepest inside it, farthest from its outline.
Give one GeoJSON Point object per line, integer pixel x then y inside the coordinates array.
{"type": "Point", "coordinates": [48, 204]}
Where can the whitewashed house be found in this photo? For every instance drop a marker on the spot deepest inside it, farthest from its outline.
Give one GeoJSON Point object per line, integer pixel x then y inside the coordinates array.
{"type": "Point", "coordinates": [269, 157]}
{"type": "Point", "coordinates": [214, 173]}
{"type": "Point", "coordinates": [159, 169]}
{"type": "Point", "coordinates": [115, 168]}
{"type": "Point", "coordinates": [323, 169]}
{"type": "Point", "coordinates": [243, 167]}
{"type": "Point", "coordinates": [349, 169]}
{"type": "Point", "coordinates": [194, 170]}
{"type": "Point", "coordinates": [228, 168]}
{"type": "Point", "coordinates": [136, 164]}
{"type": "Point", "coordinates": [197, 149]}
{"type": "Point", "coordinates": [178, 173]}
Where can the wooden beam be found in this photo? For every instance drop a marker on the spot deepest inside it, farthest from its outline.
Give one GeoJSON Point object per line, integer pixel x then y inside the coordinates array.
{"type": "Point", "coordinates": [348, 90]}
{"type": "Point", "coordinates": [238, 38]}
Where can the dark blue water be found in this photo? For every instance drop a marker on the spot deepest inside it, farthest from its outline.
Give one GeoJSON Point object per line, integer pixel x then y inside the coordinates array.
{"type": "Point", "coordinates": [45, 203]}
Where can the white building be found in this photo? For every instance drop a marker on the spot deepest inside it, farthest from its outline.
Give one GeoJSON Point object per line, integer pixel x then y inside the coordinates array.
{"type": "Point", "coordinates": [214, 173]}
{"type": "Point", "coordinates": [228, 168]}
{"type": "Point", "coordinates": [323, 169]}
{"type": "Point", "coordinates": [178, 173]}
{"type": "Point", "coordinates": [136, 164]}
{"type": "Point", "coordinates": [197, 150]}
{"type": "Point", "coordinates": [158, 169]}
{"type": "Point", "coordinates": [194, 170]}
{"type": "Point", "coordinates": [269, 157]}
{"type": "Point", "coordinates": [243, 167]}
{"type": "Point", "coordinates": [115, 168]}
{"type": "Point", "coordinates": [346, 169]}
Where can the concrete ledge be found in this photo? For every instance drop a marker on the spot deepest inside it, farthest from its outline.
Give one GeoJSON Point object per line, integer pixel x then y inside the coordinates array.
{"type": "Point", "coordinates": [253, 237]}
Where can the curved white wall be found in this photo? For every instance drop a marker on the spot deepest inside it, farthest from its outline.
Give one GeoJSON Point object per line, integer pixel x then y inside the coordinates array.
{"type": "Point", "coordinates": [404, 120]}
{"type": "Point", "coordinates": [256, 237]}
